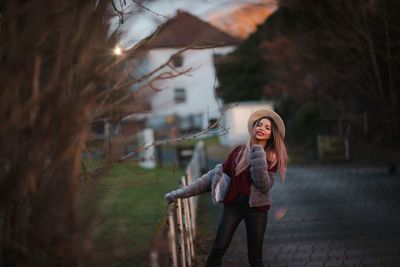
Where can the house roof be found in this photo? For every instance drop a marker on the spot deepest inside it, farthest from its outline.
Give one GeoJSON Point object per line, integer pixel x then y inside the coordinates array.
{"type": "Point", "coordinates": [185, 30]}
{"type": "Point", "coordinates": [243, 19]}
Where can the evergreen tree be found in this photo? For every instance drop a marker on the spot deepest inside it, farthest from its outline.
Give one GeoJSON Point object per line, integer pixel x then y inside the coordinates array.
{"type": "Point", "coordinates": [343, 56]}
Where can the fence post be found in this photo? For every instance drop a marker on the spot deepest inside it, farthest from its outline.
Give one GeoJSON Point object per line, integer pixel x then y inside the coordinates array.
{"type": "Point", "coordinates": [188, 226]}
{"type": "Point", "coordinates": [182, 230]}
{"type": "Point", "coordinates": [181, 233]}
{"type": "Point", "coordinates": [154, 259]}
{"type": "Point", "coordinates": [172, 237]}
{"type": "Point", "coordinates": [192, 207]}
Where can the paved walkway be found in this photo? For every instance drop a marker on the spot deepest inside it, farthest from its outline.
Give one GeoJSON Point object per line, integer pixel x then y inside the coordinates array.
{"type": "Point", "coordinates": [329, 216]}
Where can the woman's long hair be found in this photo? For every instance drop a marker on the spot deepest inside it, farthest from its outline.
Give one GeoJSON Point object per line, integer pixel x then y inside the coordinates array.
{"type": "Point", "coordinates": [275, 145]}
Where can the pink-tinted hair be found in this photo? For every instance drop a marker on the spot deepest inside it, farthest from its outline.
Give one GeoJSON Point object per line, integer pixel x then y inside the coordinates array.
{"type": "Point", "coordinates": [274, 145]}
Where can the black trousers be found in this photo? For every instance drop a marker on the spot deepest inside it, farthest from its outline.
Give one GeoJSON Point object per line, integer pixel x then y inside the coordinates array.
{"type": "Point", "coordinates": [256, 222]}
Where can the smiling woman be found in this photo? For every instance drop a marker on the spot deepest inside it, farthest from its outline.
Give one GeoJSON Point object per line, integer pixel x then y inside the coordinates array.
{"type": "Point", "coordinates": [251, 170]}
{"type": "Point", "coordinates": [263, 131]}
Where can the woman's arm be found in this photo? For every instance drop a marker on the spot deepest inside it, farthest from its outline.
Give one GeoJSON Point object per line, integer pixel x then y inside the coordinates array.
{"type": "Point", "coordinates": [198, 186]}
{"type": "Point", "coordinates": [203, 183]}
{"type": "Point", "coordinates": [262, 179]}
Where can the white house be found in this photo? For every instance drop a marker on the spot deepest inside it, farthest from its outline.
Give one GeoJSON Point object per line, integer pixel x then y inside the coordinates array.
{"type": "Point", "coordinates": [189, 96]}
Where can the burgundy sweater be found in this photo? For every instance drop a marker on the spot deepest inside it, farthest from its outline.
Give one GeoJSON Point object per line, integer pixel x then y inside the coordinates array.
{"type": "Point", "coordinates": [240, 184]}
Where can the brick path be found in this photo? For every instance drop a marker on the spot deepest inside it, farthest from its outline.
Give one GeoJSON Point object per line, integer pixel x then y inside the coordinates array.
{"type": "Point", "coordinates": [332, 216]}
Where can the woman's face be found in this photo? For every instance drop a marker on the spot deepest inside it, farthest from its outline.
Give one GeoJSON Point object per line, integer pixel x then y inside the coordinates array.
{"type": "Point", "coordinates": [263, 130]}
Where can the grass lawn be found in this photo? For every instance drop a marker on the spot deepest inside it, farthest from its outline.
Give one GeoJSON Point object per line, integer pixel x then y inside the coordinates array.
{"type": "Point", "coordinates": [131, 208]}
{"type": "Point", "coordinates": [208, 141]}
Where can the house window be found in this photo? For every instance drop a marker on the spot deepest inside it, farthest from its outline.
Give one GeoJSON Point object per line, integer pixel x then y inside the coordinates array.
{"type": "Point", "coordinates": [180, 95]}
{"type": "Point", "coordinates": [177, 61]}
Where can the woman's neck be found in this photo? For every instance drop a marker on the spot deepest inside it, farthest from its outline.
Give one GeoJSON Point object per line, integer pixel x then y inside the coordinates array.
{"type": "Point", "coordinates": [260, 142]}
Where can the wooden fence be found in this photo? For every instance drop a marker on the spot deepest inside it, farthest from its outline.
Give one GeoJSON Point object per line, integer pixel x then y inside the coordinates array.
{"type": "Point", "coordinates": [181, 217]}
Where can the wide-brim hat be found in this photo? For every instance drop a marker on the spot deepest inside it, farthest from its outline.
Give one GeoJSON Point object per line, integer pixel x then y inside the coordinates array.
{"type": "Point", "coordinates": [269, 114]}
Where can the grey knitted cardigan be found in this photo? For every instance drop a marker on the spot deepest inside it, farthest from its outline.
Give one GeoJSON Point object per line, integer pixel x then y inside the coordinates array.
{"type": "Point", "coordinates": [206, 183]}
{"type": "Point", "coordinates": [261, 179]}
{"type": "Point", "coordinates": [262, 182]}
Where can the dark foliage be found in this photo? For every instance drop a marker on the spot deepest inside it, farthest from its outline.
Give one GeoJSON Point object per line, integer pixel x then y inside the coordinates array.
{"type": "Point", "coordinates": [242, 77]}
{"type": "Point", "coordinates": [343, 56]}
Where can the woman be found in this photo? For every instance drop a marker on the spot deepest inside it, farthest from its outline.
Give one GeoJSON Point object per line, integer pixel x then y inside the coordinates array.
{"type": "Point", "coordinates": [245, 178]}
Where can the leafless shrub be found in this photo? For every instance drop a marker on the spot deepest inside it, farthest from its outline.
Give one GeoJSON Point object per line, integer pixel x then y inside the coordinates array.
{"type": "Point", "coordinates": [58, 74]}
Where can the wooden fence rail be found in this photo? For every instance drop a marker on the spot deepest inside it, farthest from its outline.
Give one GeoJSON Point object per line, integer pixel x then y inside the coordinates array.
{"type": "Point", "coordinates": [181, 216]}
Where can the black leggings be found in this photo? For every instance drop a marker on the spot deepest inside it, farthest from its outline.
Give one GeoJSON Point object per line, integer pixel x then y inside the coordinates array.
{"type": "Point", "coordinates": [256, 222]}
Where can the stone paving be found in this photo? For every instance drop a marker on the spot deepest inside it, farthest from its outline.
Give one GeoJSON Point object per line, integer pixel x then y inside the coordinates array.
{"type": "Point", "coordinates": [328, 217]}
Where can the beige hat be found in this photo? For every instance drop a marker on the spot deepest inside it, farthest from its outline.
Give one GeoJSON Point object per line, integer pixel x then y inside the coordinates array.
{"type": "Point", "coordinates": [270, 114]}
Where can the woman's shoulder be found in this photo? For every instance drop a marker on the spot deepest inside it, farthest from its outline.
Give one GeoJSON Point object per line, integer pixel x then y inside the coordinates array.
{"type": "Point", "coordinates": [238, 147]}
{"type": "Point", "coordinates": [235, 151]}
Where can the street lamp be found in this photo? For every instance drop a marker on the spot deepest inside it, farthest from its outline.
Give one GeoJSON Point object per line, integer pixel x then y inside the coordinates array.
{"type": "Point", "coordinates": [117, 50]}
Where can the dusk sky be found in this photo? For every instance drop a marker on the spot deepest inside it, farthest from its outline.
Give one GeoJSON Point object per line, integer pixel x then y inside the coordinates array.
{"type": "Point", "coordinates": [144, 20]}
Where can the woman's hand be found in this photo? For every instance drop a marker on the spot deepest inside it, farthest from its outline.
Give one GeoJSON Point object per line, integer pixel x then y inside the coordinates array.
{"type": "Point", "coordinates": [258, 157]}
{"type": "Point", "coordinates": [259, 168]}
{"type": "Point", "coordinates": [171, 197]}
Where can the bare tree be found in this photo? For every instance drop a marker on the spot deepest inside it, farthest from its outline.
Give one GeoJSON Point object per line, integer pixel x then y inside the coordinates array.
{"type": "Point", "coordinates": [58, 73]}
{"type": "Point", "coordinates": [56, 63]}
{"type": "Point", "coordinates": [350, 50]}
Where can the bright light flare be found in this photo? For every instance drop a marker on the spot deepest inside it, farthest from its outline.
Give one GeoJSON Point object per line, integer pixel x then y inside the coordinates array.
{"type": "Point", "coordinates": [280, 213]}
{"type": "Point", "coordinates": [117, 50]}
